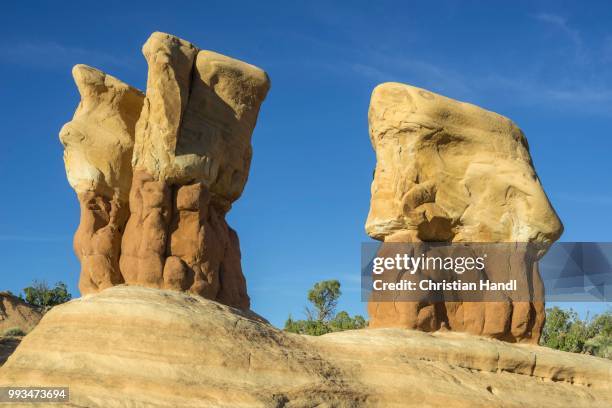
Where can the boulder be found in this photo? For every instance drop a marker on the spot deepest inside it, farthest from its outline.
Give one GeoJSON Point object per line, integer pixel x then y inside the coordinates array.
{"type": "Point", "coordinates": [449, 171]}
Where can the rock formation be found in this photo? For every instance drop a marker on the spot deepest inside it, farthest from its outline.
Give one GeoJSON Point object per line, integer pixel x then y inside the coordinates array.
{"type": "Point", "coordinates": [156, 174]}
{"type": "Point", "coordinates": [180, 154]}
{"type": "Point", "coordinates": [8, 344]}
{"type": "Point", "coordinates": [98, 145]}
{"type": "Point", "coordinates": [14, 314]}
{"type": "Point", "coordinates": [449, 171]}
{"type": "Point", "coordinates": [132, 346]}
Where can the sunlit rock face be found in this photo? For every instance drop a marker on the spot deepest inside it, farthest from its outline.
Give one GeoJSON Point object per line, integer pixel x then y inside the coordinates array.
{"type": "Point", "coordinates": [211, 355]}
{"type": "Point", "coordinates": [191, 161]}
{"type": "Point", "coordinates": [449, 171]}
{"type": "Point", "coordinates": [98, 144]}
{"type": "Point", "coordinates": [185, 152]}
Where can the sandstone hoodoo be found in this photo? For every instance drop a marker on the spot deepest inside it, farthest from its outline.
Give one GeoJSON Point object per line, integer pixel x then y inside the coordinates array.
{"type": "Point", "coordinates": [449, 171]}
{"type": "Point", "coordinates": [156, 173]}
{"type": "Point", "coordinates": [98, 145]}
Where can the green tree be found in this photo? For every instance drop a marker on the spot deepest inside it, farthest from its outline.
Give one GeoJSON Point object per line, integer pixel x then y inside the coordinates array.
{"type": "Point", "coordinates": [564, 330]}
{"type": "Point", "coordinates": [600, 336]}
{"type": "Point", "coordinates": [343, 321]}
{"type": "Point", "coordinates": [324, 297]}
{"type": "Point", "coordinates": [558, 322]}
{"type": "Point", "coordinates": [576, 336]}
{"type": "Point", "coordinates": [39, 294]}
{"type": "Point", "coordinates": [602, 324]}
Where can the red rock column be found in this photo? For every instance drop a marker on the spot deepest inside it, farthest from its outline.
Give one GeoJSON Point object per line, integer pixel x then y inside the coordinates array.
{"type": "Point", "coordinates": [191, 161]}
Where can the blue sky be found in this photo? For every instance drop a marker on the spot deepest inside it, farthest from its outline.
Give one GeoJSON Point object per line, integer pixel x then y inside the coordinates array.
{"type": "Point", "coordinates": [546, 65]}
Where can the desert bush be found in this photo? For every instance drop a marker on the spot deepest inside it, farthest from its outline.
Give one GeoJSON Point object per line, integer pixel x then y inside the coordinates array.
{"type": "Point", "coordinates": [308, 326]}
{"type": "Point", "coordinates": [40, 295]}
{"type": "Point", "coordinates": [343, 321]}
{"type": "Point", "coordinates": [14, 331]}
{"type": "Point", "coordinates": [564, 330]}
{"type": "Point", "coordinates": [322, 319]}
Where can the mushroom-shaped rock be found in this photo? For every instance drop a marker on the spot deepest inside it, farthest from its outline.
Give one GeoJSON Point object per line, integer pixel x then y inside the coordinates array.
{"type": "Point", "coordinates": [449, 171]}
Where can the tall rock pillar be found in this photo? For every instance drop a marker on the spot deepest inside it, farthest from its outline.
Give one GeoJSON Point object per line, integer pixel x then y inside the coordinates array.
{"type": "Point", "coordinates": [449, 171]}
{"type": "Point", "coordinates": [98, 144]}
{"type": "Point", "coordinates": [191, 161]}
{"type": "Point", "coordinates": [157, 173]}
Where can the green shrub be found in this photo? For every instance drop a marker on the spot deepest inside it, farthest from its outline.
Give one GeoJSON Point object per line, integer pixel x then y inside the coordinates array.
{"type": "Point", "coordinates": [343, 321]}
{"type": "Point", "coordinates": [308, 326]}
{"type": "Point", "coordinates": [599, 342]}
{"type": "Point", "coordinates": [324, 297]}
{"type": "Point", "coordinates": [14, 331]}
{"type": "Point", "coordinates": [42, 296]}
{"type": "Point", "coordinates": [564, 330]}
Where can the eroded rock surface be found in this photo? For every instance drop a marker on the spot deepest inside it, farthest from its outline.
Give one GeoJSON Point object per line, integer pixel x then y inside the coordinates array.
{"type": "Point", "coordinates": [191, 161]}
{"type": "Point", "coordinates": [450, 171]}
{"type": "Point", "coordinates": [184, 151]}
{"type": "Point", "coordinates": [98, 144]}
{"type": "Point", "coordinates": [15, 313]}
{"type": "Point", "coordinates": [201, 353]}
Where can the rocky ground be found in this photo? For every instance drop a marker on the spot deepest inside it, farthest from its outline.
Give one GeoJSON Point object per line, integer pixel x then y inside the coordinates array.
{"type": "Point", "coordinates": [15, 313]}
{"type": "Point", "coordinates": [8, 344]}
{"type": "Point", "coordinates": [139, 347]}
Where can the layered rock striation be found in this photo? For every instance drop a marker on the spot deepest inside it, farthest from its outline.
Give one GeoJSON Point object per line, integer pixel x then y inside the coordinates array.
{"type": "Point", "coordinates": [156, 173]}
{"type": "Point", "coordinates": [98, 146]}
{"type": "Point", "coordinates": [15, 313]}
{"type": "Point", "coordinates": [202, 353]}
{"type": "Point", "coordinates": [449, 171]}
